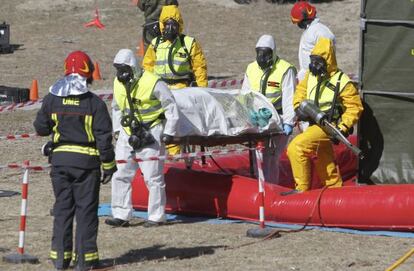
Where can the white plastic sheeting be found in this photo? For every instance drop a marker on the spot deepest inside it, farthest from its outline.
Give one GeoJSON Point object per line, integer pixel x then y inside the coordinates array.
{"type": "Point", "coordinates": [209, 111]}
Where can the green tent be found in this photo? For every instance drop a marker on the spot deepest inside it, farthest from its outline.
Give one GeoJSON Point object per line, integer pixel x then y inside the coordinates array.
{"type": "Point", "coordinates": [387, 86]}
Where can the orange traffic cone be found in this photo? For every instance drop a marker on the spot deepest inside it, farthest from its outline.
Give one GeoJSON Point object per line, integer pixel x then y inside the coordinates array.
{"type": "Point", "coordinates": [96, 75]}
{"type": "Point", "coordinates": [95, 22]}
{"type": "Point", "coordinates": [141, 48]}
{"type": "Point", "coordinates": [34, 92]}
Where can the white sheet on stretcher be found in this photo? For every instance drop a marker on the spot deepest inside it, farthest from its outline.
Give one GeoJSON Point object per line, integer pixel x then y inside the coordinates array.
{"type": "Point", "coordinates": [209, 111]}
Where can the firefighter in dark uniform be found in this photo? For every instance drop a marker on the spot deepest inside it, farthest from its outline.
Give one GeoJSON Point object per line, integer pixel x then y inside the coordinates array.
{"type": "Point", "coordinates": [81, 130]}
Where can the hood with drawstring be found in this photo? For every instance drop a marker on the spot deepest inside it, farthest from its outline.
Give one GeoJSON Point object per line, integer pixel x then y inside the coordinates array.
{"type": "Point", "coordinates": [171, 12]}
{"type": "Point", "coordinates": [127, 57]}
{"type": "Point", "coordinates": [324, 47]}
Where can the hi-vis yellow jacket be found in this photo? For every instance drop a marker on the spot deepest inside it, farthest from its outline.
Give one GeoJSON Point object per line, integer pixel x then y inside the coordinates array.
{"type": "Point", "coordinates": [273, 89]}
{"type": "Point", "coordinates": [156, 56]}
{"type": "Point", "coordinates": [148, 106]}
{"type": "Point", "coordinates": [348, 97]}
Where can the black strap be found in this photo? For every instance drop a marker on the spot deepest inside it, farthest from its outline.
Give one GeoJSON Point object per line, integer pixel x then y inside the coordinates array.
{"type": "Point", "coordinates": [265, 77]}
{"type": "Point", "coordinates": [176, 81]}
{"type": "Point", "coordinates": [263, 80]}
{"type": "Point", "coordinates": [332, 111]}
{"type": "Point", "coordinates": [318, 88]}
{"type": "Point", "coordinates": [157, 42]}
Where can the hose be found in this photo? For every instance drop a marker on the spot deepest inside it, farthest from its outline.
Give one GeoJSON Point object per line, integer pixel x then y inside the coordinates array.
{"type": "Point", "coordinates": [170, 60]}
{"type": "Point", "coordinates": [401, 260]}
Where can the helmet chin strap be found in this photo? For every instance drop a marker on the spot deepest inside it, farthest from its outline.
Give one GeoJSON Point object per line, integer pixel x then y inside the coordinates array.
{"type": "Point", "coordinates": [304, 24]}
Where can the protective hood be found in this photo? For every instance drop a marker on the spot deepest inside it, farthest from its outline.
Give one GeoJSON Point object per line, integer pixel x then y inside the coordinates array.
{"type": "Point", "coordinates": [127, 57]}
{"type": "Point", "coordinates": [325, 48]}
{"type": "Point", "coordinates": [171, 12]}
{"type": "Point", "coordinates": [72, 84]}
{"type": "Point", "coordinates": [266, 41]}
{"type": "Point", "coordinates": [269, 42]}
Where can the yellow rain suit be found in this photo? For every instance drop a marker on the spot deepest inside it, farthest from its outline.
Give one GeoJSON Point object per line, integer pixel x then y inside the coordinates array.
{"type": "Point", "coordinates": [314, 141]}
{"type": "Point", "coordinates": [158, 50]}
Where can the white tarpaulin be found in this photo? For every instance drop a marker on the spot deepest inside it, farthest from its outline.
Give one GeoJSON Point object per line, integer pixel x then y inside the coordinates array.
{"type": "Point", "coordinates": [209, 111]}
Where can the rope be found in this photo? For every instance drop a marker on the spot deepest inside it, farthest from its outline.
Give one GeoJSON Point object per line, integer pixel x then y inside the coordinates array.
{"type": "Point", "coordinates": [197, 155]}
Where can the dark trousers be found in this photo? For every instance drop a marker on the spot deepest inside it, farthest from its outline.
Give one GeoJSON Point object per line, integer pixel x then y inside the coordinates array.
{"type": "Point", "coordinates": [76, 194]}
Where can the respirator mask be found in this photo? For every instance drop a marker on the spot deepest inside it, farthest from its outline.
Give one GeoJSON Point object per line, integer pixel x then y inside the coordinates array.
{"type": "Point", "coordinates": [264, 57]}
{"type": "Point", "coordinates": [317, 66]}
{"type": "Point", "coordinates": [171, 28]}
{"type": "Point", "coordinates": [140, 136]}
{"type": "Point", "coordinates": [124, 73]}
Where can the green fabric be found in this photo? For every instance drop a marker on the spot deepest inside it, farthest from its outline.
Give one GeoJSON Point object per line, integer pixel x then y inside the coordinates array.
{"type": "Point", "coordinates": [389, 9]}
{"type": "Point", "coordinates": [393, 121]}
{"type": "Point", "coordinates": [388, 57]}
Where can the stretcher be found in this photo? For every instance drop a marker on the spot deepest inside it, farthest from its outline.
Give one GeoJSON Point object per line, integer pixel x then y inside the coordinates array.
{"type": "Point", "coordinates": [215, 117]}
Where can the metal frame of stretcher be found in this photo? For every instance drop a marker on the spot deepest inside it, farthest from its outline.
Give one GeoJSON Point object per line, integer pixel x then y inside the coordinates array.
{"type": "Point", "coordinates": [220, 140]}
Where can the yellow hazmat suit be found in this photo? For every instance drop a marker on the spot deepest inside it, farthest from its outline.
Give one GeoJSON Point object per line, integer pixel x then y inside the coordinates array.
{"type": "Point", "coordinates": [156, 59]}
{"type": "Point", "coordinates": [197, 59]}
{"type": "Point", "coordinates": [314, 141]}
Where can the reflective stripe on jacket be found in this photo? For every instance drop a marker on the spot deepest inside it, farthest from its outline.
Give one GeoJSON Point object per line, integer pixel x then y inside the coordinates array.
{"type": "Point", "coordinates": [273, 89]}
{"type": "Point", "coordinates": [180, 58]}
{"type": "Point", "coordinates": [81, 130]}
{"type": "Point", "coordinates": [149, 107]}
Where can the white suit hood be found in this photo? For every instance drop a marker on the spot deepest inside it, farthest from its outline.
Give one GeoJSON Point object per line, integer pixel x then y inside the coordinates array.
{"type": "Point", "coordinates": [72, 84]}
{"type": "Point", "coordinates": [266, 41]}
{"type": "Point", "coordinates": [127, 57]}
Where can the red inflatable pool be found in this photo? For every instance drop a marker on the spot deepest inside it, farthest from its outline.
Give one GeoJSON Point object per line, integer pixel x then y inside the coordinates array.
{"type": "Point", "coordinates": [207, 190]}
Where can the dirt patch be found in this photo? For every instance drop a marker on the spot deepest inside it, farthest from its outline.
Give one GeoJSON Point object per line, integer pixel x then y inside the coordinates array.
{"type": "Point", "coordinates": [47, 30]}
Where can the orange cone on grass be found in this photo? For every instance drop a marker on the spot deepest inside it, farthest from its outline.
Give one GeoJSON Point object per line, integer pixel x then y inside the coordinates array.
{"type": "Point", "coordinates": [96, 75]}
{"type": "Point", "coordinates": [141, 48]}
{"type": "Point", "coordinates": [34, 91]}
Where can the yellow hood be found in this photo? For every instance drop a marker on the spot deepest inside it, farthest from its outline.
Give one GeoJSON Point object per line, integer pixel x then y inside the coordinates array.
{"type": "Point", "coordinates": [171, 12]}
{"type": "Point", "coordinates": [325, 48]}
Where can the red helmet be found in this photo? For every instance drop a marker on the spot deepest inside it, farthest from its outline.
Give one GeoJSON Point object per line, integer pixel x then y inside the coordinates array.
{"type": "Point", "coordinates": [80, 63]}
{"type": "Point", "coordinates": [302, 10]}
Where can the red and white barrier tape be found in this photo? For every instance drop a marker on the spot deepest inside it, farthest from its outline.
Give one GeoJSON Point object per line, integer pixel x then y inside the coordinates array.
{"type": "Point", "coordinates": [228, 83]}
{"type": "Point", "coordinates": [37, 104]}
{"type": "Point", "coordinates": [18, 166]}
{"type": "Point", "coordinates": [21, 136]}
{"type": "Point", "coordinates": [14, 106]}
{"type": "Point", "coordinates": [225, 83]}
{"type": "Point", "coordinates": [108, 97]}
{"type": "Point", "coordinates": [142, 159]}
{"type": "Point", "coordinates": [187, 155]}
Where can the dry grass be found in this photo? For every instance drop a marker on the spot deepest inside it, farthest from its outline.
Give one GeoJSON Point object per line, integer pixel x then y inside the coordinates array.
{"type": "Point", "coordinates": [49, 29]}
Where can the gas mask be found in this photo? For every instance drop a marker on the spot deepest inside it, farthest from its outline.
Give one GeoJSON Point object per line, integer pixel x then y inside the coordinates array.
{"type": "Point", "coordinates": [264, 57]}
{"type": "Point", "coordinates": [171, 29]}
{"type": "Point", "coordinates": [317, 66]}
{"type": "Point", "coordinates": [124, 73]}
{"type": "Point", "coordinates": [140, 136]}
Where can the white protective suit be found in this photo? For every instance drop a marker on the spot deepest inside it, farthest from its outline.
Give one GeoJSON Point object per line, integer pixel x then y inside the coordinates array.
{"type": "Point", "coordinates": [275, 146]}
{"type": "Point", "coordinates": [309, 37]}
{"type": "Point", "coordinates": [152, 170]}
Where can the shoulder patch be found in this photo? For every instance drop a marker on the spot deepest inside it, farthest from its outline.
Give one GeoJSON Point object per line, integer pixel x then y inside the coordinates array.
{"type": "Point", "coordinates": [273, 84]}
